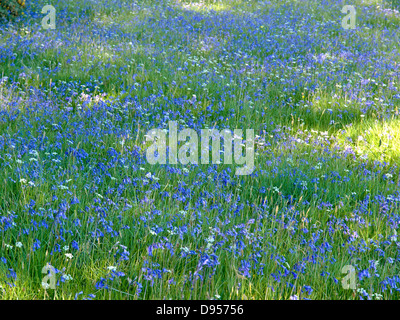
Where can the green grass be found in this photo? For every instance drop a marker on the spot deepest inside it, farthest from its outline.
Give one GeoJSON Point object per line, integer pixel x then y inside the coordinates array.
{"type": "Point", "coordinates": [306, 147]}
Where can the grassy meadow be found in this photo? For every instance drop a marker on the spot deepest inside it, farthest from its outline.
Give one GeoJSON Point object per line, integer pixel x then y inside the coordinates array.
{"type": "Point", "coordinates": [78, 194]}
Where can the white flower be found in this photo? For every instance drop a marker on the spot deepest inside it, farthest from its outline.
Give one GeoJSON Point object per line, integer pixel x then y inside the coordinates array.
{"type": "Point", "coordinates": [67, 277]}
{"type": "Point", "coordinates": [69, 255]}
{"type": "Point", "coordinates": [185, 249]}
{"type": "Point", "coordinates": [66, 248]}
{"type": "Point", "coordinates": [210, 239]}
{"type": "Point", "coordinates": [22, 181]}
{"type": "Point", "coordinates": [394, 237]}
{"type": "Point", "coordinates": [34, 153]}
{"type": "Point", "coordinates": [112, 268]}
{"type": "Point", "coordinates": [377, 296]}
{"type": "Point", "coordinates": [18, 244]}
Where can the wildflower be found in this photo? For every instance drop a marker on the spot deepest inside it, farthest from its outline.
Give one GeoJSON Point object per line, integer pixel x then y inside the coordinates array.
{"type": "Point", "coordinates": [276, 189]}
{"type": "Point", "coordinates": [67, 277]}
{"type": "Point", "coordinates": [377, 296]}
{"type": "Point", "coordinates": [308, 289]}
{"type": "Point", "coordinates": [69, 256]}
{"type": "Point", "coordinates": [393, 238]}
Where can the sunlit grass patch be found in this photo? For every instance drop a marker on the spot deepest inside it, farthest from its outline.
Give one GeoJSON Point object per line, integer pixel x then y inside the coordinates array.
{"type": "Point", "coordinates": [374, 140]}
{"type": "Point", "coordinates": [215, 5]}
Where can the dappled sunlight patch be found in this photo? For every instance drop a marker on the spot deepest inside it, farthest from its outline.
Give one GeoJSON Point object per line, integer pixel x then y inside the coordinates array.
{"type": "Point", "coordinates": [204, 5]}
{"type": "Point", "coordinates": [373, 140]}
{"type": "Point", "coordinates": [221, 6]}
